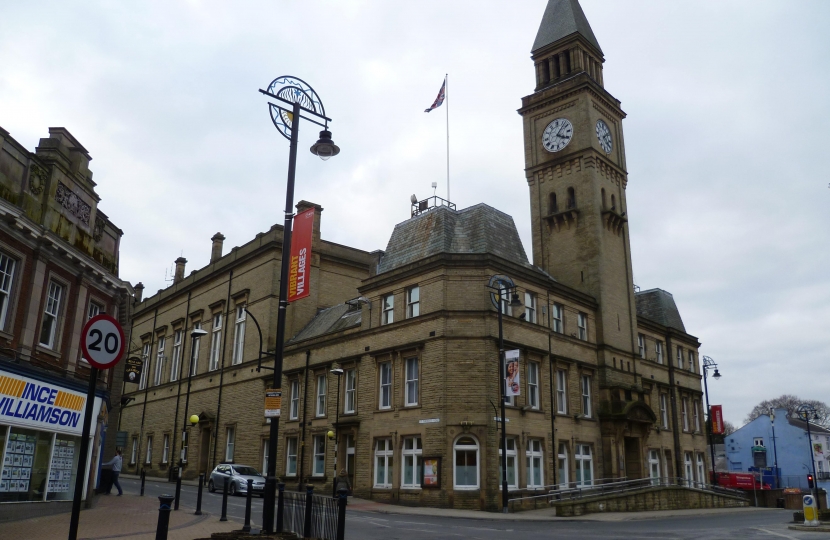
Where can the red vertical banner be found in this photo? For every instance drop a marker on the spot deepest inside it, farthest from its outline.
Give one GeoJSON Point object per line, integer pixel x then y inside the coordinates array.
{"type": "Point", "coordinates": [299, 273]}
{"type": "Point", "coordinates": [717, 419]}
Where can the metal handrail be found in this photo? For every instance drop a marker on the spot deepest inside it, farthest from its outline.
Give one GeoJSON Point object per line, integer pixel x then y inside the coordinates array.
{"type": "Point", "coordinates": [623, 486]}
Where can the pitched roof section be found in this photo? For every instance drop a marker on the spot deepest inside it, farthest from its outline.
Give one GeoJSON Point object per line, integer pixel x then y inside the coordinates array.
{"type": "Point", "coordinates": [561, 19]}
{"type": "Point", "coordinates": [658, 305]}
{"type": "Point", "coordinates": [477, 229]}
{"type": "Point", "coordinates": [801, 424]}
{"type": "Point", "coordinates": [329, 321]}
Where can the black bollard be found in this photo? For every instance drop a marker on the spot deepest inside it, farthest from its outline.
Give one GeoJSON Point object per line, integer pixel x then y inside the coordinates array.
{"type": "Point", "coordinates": [309, 503]}
{"type": "Point", "coordinates": [224, 501]}
{"type": "Point", "coordinates": [178, 488]}
{"type": "Point", "coordinates": [280, 506]}
{"type": "Point", "coordinates": [341, 513]}
{"type": "Point", "coordinates": [247, 526]}
{"type": "Point", "coordinates": [143, 475]}
{"type": "Point", "coordinates": [199, 495]}
{"type": "Point", "coordinates": [164, 516]}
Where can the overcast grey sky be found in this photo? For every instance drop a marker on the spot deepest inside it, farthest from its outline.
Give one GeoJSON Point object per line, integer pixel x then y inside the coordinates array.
{"type": "Point", "coordinates": [728, 120]}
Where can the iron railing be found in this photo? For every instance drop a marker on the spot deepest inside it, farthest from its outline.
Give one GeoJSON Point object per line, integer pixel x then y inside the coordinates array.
{"type": "Point", "coordinates": [614, 486]}
{"type": "Point", "coordinates": [323, 515]}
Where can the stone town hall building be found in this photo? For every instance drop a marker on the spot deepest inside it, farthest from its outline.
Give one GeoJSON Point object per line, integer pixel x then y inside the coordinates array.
{"type": "Point", "coordinates": [610, 379]}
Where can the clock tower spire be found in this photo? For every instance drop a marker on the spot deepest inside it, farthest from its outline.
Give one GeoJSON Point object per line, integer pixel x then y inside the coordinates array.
{"type": "Point", "coordinates": [576, 172]}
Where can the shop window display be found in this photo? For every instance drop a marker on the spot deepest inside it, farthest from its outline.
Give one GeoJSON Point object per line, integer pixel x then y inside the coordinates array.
{"type": "Point", "coordinates": [26, 473]}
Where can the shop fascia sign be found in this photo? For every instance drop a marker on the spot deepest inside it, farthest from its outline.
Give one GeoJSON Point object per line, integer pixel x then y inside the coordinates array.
{"type": "Point", "coordinates": [40, 405]}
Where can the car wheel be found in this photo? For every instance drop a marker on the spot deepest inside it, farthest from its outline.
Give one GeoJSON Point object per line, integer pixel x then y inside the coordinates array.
{"type": "Point", "coordinates": [211, 487]}
{"type": "Point", "coordinates": [232, 489]}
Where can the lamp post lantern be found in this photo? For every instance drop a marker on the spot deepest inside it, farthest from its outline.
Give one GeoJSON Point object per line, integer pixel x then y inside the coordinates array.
{"type": "Point", "coordinates": [304, 103]}
{"type": "Point", "coordinates": [336, 370]}
{"type": "Point", "coordinates": [807, 412]}
{"type": "Point", "coordinates": [502, 288]}
{"type": "Point", "coordinates": [708, 364]}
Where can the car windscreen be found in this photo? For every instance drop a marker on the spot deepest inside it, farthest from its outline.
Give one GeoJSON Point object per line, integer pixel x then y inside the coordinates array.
{"type": "Point", "coordinates": [247, 471]}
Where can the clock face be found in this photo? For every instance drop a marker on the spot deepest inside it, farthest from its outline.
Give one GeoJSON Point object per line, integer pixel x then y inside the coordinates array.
{"type": "Point", "coordinates": [557, 135]}
{"type": "Point", "coordinates": [604, 136]}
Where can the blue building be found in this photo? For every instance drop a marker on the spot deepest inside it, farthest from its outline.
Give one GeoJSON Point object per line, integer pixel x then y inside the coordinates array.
{"type": "Point", "coordinates": [776, 438]}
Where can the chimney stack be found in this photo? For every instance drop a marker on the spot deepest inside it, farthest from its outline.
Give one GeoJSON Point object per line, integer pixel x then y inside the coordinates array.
{"type": "Point", "coordinates": [216, 251]}
{"type": "Point", "coordinates": [179, 275]}
{"type": "Point", "coordinates": [139, 290]}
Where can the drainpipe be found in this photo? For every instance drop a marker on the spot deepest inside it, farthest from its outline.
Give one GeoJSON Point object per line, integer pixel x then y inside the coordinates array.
{"type": "Point", "coordinates": [222, 371]}
{"type": "Point", "coordinates": [302, 443]}
{"type": "Point", "coordinates": [182, 358]}
{"type": "Point", "coordinates": [673, 398]}
{"type": "Point", "coordinates": [146, 391]}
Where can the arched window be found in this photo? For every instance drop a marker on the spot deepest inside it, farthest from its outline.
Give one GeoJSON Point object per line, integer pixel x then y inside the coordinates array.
{"type": "Point", "coordinates": [465, 463]}
{"type": "Point", "coordinates": [613, 202]}
{"type": "Point", "coordinates": [553, 208]}
{"type": "Point", "coordinates": [603, 198]}
{"type": "Point", "coordinates": [571, 198]}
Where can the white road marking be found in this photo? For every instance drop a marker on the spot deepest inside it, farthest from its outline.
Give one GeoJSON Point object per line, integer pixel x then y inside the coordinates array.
{"type": "Point", "coordinates": [775, 533]}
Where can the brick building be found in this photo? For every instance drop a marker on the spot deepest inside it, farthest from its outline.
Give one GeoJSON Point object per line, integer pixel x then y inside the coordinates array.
{"type": "Point", "coordinates": [609, 380]}
{"type": "Point", "coordinates": [58, 267]}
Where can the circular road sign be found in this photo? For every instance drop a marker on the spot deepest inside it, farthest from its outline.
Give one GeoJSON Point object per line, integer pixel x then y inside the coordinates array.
{"type": "Point", "coordinates": [102, 341]}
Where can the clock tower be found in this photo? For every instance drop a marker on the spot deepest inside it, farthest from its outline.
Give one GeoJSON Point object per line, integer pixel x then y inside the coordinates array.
{"type": "Point", "coordinates": [575, 169]}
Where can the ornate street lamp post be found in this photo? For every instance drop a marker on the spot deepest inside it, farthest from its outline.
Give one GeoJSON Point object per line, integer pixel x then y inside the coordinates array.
{"type": "Point", "coordinates": [303, 101]}
{"type": "Point", "coordinates": [807, 412]}
{"type": "Point", "coordinates": [708, 364]}
{"type": "Point", "coordinates": [502, 288]}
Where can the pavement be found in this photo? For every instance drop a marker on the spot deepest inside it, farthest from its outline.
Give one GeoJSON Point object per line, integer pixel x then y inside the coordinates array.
{"type": "Point", "coordinates": [128, 517]}
{"type": "Point", "coordinates": [131, 517]}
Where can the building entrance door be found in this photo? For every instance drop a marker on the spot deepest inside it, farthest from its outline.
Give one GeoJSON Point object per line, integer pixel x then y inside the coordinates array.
{"type": "Point", "coordinates": [350, 460]}
{"type": "Point", "coordinates": [204, 451]}
{"type": "Point", "coordinates": [633, 460]}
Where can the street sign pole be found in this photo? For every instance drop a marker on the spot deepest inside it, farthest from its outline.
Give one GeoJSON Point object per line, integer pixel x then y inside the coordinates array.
{"type": "Point", "coordinates": [102, 344]}
{"type": "Point", "coordinates": [80, 474]}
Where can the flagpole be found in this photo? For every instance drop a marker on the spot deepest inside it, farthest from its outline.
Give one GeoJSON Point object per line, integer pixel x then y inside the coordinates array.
{"type": "Point", "coordinates": [447, 99]}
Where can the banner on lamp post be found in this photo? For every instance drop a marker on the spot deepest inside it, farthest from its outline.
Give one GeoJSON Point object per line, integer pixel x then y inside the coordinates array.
{"type": "Point", "coordinates": [299, 272]}
{"type": "Point", "coordinates": [717, 420]}
{"type": "Point", "coordinates": [512, 382]}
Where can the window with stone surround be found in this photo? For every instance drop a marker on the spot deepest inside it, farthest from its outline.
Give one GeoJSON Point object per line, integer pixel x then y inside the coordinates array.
{"type": "Point", "coordinates": [388, 309]}
{"type": "Point", "coordinates": [558, 326]}
{"type": "Point", "coordinates": [145, 366]}
{"type": "Point", "coordinates": [586, 395]}
{"type": "Point", "coordinates": [51, 312]}
{"type": "Point", "coordinates": [533, 385]}
{"type": "Point", "coordinates": [7, 268]}
{"type": "Point", "coordinates": [535, 459]}
{"type": "Point", "coordinates": [658, 348]}
{"type": "Point", "coordinates": [530, 307]}
{"type": "Point", "coordinates": [413, 302]}
{"type": "Point", "coordinates": [321, 395]}
{"type": "Point", "coordinates": [561, 391]}
{"type": "Point", "coordinates": [664, 412]}
{"type": "Point", "coordinates": [584, 465]}
{"type": "Point", "coordinates": [230, 443]}
{"type": "Point", "coordinates": [158, 374]}
{"type": "Point", "coordinates": [176, 355]}
{"type": "Point", "coordinates": [194, 352]}
{"type": "Point", "coordinates": [290, 456]}
{"type": "Point", "coordinates": [512, 473]}
{"type": "Point", "coordinates": [411, 455]}
{"type": "Point", "coordinates": [641, 344]}
{"type": "Point", "coordinates": [412, 375]}
{"type": "Point", "coordinates": [383, 463]}
{"type": "Point", "coordinates": [385, 381]}
{"type": "Point", "coordinates": [215, 342]}
{"type": "Point", "coordinates": [465, 463]}
{"type": "Point", "coordinates": [582, 326]}
{"type": "Point", "coordinates": [350, 399]}
{"type": "Point", "coordinates": [239, 335]}
{"type": "Point", "coordinates": [319, 446]}
{"type": "Point", "coordinates": [294, 407]}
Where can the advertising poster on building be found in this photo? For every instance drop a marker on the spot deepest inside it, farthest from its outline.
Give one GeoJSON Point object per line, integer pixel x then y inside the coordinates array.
{"type": "Point", "coordinates": [299, 272]}
{"type": "Point", "coordinates": [512, 386]}
{"type": "Point", "coordinates": [818, 449]}
{"type": "Point", "coordinates": [717, 419]}
{"type": "Point", "coordinates": [432, 473]}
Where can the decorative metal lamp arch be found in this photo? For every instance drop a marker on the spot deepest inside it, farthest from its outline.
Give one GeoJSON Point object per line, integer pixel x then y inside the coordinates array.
{"type": "Point", "coordinates": [294, 90]}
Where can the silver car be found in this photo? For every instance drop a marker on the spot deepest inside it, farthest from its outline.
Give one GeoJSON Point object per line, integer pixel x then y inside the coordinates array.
{"type": "Point", "coordinates": [237, 477]}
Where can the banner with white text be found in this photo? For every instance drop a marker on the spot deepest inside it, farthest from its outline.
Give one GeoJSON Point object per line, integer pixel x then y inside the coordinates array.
{"type": "Point", "coordinates": [299, 273]}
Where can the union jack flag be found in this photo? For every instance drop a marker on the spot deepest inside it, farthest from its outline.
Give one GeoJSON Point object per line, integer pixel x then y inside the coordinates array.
{"type": "Point", "coordinates": [440, 99]}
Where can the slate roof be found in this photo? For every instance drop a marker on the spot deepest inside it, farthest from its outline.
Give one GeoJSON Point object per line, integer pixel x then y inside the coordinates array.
{"type": "Point", "coordinates": [477, 229]}
{"type": "Point", "coordinates": [801, 424]}
{"type": "Point", "coordinates": [658, 305]}
{"type": "Point", "coordinates": [330, 320]}
{"type": "Point", "coordinates": [561, 19]}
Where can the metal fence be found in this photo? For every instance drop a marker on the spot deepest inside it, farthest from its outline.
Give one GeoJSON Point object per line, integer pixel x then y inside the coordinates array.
{"type": "Point", "coordinates": [324, 511]}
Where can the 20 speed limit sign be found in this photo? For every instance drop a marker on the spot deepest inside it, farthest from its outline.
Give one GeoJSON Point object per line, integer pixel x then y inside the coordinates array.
{"type": "Point", "coordinates": [102, 341]}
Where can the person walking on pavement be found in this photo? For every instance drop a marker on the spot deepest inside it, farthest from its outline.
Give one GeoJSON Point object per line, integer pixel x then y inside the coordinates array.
{"type": "Point", "coordinates": [116, 470]}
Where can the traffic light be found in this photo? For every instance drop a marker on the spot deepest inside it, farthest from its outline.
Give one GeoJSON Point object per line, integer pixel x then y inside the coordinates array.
{"type": "Point", "coordinates": [810, 481]}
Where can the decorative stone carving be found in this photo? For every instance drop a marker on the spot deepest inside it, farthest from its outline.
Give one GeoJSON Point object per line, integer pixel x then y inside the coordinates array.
{"type": "Point", "coordinates": [74, 204]}
{"type": "Point", "coordinates": [37, 179]}
{"type": "Point", "coordinates": [98, 231]}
